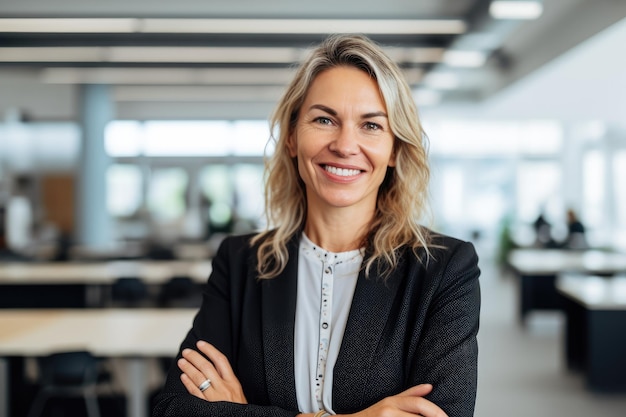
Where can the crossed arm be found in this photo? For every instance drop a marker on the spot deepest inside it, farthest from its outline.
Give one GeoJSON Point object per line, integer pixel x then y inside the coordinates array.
{"type": "Point", "coordinates": [445, 354]}
{"type": "Point", "coordinates": [224, 386]}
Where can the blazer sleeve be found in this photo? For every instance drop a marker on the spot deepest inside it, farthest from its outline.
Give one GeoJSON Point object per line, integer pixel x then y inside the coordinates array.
{"type": "Point", "coordinates": [447, 353]}
{"type": "Point", "coordinates": [214, 323]}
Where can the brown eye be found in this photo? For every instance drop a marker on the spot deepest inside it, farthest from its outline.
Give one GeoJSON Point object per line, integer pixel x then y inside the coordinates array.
{"type": "Point", "coordinates": [372, 126]}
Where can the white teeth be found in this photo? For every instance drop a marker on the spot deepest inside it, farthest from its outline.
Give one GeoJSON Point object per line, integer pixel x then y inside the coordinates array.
{"type": "Point", "coordinates": [341, 171]}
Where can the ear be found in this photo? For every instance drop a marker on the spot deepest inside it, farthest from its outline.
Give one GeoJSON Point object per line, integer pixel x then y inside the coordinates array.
{"type": "Point", "coordinates": [291, 145]}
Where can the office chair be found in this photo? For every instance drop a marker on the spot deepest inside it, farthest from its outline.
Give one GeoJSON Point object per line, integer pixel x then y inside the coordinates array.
{"type": "Point", "coordinates": [179, 291]}
{"type": "Point", "coordinates": [129, 292]}
{"type": "Point", "coordinates": [68, 374]}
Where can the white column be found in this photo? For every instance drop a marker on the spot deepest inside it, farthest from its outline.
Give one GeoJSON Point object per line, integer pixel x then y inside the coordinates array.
{"type": "Point", "coordinates": [93, 221]}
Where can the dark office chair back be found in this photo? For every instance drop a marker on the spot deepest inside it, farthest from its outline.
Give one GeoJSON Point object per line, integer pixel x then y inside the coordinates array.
{"type": "Point", "coordinates": [69, 368]}
{"type": "Point", "coordinates": [129, 292]}
{"type": "Point", "coordinates": [68, 374]}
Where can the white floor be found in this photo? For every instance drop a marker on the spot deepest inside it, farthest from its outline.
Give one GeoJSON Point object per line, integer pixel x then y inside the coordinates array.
{"type": "Point", "coordinates": [521, 369]}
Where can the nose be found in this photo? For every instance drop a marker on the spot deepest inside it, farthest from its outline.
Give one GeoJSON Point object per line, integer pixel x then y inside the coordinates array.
{"type": "Point", "coordinates": [345, 142]}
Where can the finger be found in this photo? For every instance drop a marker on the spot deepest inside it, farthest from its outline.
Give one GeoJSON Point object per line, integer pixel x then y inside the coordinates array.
{"type": "Point", "coordinates": [403, 405]}
{"type": "Point", "coordinates": [202, 364]}
{"type": "Point", "coordinates": [423, 407]}
{"type": "Point", "coordinates": [219, 360]}
{"type": "Point", "coordinates": [418, 390]}
{"type": "Point", "coordinates": [191, 386]}
{"type": "Point", "coordinates": [426, 408]}
{"type": "Point", "coordinates": [188, 368]}
{"type": "Point", "coordinates": [196, 376]}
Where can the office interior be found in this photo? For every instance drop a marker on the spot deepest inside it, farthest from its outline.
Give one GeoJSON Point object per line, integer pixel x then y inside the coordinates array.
{"type": "Point", "coordinates": [133, 139]}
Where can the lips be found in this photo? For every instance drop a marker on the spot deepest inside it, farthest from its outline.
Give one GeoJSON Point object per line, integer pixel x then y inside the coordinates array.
{"type": "Point", "coordinates": [341, 172]}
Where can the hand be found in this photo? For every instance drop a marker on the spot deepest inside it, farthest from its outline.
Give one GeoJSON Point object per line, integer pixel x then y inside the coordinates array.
{"type": "Point", "coordinates": [196, 369]}
{"type": "Point", "coordinates": [408, 403]}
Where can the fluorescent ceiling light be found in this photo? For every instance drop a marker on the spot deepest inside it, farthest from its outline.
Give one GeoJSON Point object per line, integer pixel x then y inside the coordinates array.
{"type": "Point", "coordinates": [310, 26]}
{"type": "Point", "coordinates": [524, 10]}
{"type": "Point", "coordinates": [183, 76]}
{"type": "Point", "coordinates": [188, 55]}
{"type": "Point", "coordinates": [442, 80]}
{"type": "Point", "coordinates": [69, 25]}
{"type": "Point", "coordinates": [147, 54]}
{"type": "Point", "coordinates": [172, 76]}
{"type": "Point", "coordinates": [250, 26]}
{"type": "Point", "coordinates": [415, 55]}
{"type": "Point", "coordinates": [52, 54]}
{"type": "Point", "coordinates": [465, 59]}
{"type": "Point", "coordinates": [204, 54]}
{"type": "Point", "coordinates": [197, 94]}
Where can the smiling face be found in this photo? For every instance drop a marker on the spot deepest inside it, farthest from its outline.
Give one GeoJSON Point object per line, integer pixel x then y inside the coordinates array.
{"type": "Point", "coordinates": [342, 141]}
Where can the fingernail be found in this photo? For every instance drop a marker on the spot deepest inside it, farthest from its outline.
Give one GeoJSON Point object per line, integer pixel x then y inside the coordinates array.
{"type": "Point", "coordinates": [201, 343]}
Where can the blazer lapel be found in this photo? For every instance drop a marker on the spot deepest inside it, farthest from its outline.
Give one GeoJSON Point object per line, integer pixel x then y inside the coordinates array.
{"type": "Point", "coordinates": [278, 316]}
{"type": "Point", "coordinates": [371, 306]}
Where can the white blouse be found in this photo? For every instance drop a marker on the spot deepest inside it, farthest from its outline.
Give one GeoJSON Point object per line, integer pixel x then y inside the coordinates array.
{"type": "Point", "coordinates": [326, 283]}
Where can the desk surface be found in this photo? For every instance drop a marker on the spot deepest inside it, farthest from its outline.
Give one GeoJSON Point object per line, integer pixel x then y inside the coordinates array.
{"type": "Point", "coordinates": [104, 332]}
{"type": "Point", "coordinates": [594, 293]}
{"type": "Point", "coordinates": [152, 272]}
{"type": "Point", "coordinates": [554, 261]}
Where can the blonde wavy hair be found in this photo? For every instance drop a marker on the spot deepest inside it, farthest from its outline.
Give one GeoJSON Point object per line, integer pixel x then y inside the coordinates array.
{"type": "Point", "coordinates": [403, 195]}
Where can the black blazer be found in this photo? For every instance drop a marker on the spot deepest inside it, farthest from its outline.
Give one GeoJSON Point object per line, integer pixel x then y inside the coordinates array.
{"type": "Point", "coordinates": [418, 326]}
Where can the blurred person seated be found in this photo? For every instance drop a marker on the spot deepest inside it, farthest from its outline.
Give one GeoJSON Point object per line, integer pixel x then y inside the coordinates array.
{"type": "Point", "coordinates": [6, 253]}
{"type": "Point", "coordinates": [19, 219]}
{"type": "Point", "coordinates": [575, 232]}
{"type": "Point", "coordinates": [543, 234]}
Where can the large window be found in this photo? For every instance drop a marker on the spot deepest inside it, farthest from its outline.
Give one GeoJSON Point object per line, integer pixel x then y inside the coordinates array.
{"type": "Point", "coordinates": [539, 190]}
{"type": "Point", "coordinates": [210, 172]}
{"type": "Point", "coordinates": [482, 173]}
{"type": "Point", "coordinates": [186, 138]}
{"type": "Point", "coordinates": [486, 171]}
{"type": "Point", "coordinates": [619, 187]}
{"type": "Point", "coordinates": [124, 185]}
{"type": "Point", "coordinates": [167, 194]}
{"type": "Point", "coordinates": [619, 184]}
{"type": "Point", "coordinates": [594, 183]}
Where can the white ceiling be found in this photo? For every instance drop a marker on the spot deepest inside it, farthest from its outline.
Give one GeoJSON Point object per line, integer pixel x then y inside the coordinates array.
{"type": "Point", "coordinates": [555, 66]}
{"type": "Point", "coordinates": [586, 83]}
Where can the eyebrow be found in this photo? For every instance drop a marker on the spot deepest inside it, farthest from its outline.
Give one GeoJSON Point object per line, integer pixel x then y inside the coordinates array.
{"type": "Point", "coordinates": [334, 113]}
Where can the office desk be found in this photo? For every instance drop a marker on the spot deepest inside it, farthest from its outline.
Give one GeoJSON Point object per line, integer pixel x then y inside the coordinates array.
{"type": "Point", "coordinates": [537, 270]}
{"type": "Point", "coordinates": [94, 276]}
{"type": "Point", "coordinates": [595, 333]}
{"type": "Point", "coordinates": [152, 272]}
{"type": "Point", "coordinates": [132, 334]}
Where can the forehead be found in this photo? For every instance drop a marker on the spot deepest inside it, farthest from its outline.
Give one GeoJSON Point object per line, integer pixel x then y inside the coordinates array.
{"type": "Point", "coordinates": [345, 84]}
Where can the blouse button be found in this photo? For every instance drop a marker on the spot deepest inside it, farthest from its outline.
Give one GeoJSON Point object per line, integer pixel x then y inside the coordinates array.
{"type": "Point", "coordinates": [324, 325]}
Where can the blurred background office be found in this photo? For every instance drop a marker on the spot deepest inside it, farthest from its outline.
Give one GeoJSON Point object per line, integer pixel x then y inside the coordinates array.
{"type": "Point", "coordinates": [136, 131]}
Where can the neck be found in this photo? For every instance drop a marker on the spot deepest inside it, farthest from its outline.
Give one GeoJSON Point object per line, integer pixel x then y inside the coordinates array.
{"type": "Point", "coordinates": [337, 232]}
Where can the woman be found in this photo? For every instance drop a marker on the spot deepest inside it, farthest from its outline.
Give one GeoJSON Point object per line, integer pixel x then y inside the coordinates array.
{"type": "Point", "coordinates": [347, 305]}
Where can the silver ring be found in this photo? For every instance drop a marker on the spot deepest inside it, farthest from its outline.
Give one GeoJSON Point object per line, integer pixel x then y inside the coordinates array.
{"type": "Point", "coordinates": [205, 385]}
